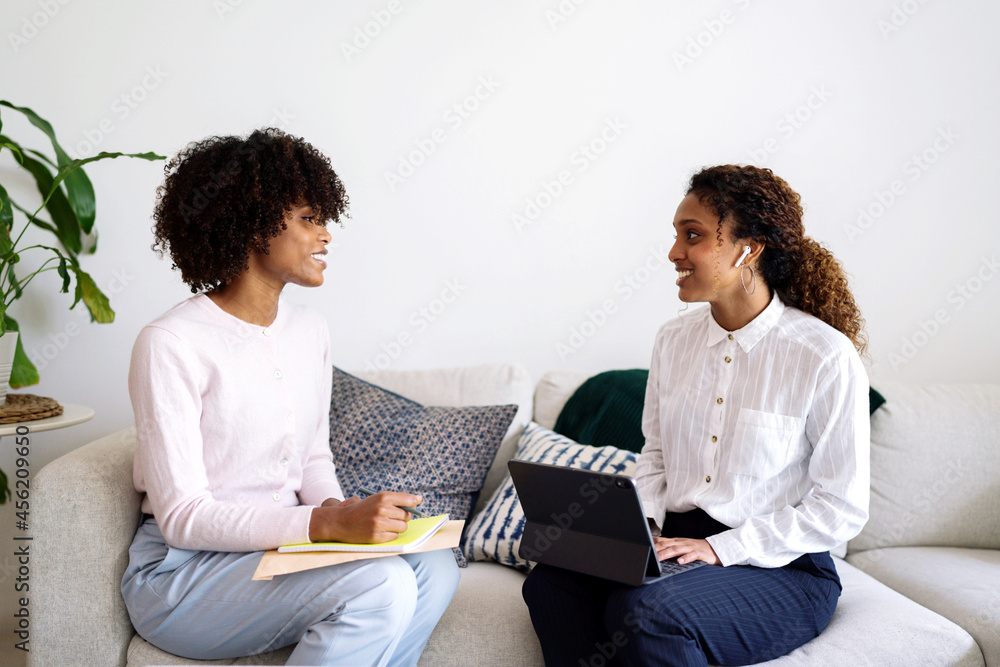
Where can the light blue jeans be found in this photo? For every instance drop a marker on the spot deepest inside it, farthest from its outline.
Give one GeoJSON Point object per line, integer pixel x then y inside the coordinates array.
{"type": "Point", "coordinates": [204, 605]}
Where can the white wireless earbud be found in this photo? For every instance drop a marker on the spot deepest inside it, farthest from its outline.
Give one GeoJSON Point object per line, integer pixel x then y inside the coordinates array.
{"type": "Point", "coordinates": [746, 251]}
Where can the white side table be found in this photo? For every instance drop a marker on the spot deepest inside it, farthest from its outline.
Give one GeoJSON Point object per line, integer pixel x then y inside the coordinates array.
{"type": "Point", "coordinates": [72, 415]}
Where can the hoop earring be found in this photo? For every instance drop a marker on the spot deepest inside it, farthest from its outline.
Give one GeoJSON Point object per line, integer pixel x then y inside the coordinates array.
{"type": "Point", "coordinates": [753, 282]}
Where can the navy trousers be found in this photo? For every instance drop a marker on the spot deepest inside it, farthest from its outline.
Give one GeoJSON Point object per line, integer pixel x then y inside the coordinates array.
{"type": "Point", "coordinates": [736, 615]}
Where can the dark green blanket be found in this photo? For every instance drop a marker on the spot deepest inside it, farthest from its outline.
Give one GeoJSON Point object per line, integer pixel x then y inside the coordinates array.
{"type": "Point", "coordinates": [607, 410]}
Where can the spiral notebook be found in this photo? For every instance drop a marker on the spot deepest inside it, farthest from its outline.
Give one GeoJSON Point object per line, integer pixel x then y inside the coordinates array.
{"type": "Point", "coordinates": [417, 532]}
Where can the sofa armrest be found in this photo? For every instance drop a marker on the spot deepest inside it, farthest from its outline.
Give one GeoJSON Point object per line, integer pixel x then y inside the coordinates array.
{"type": "Point", "coordinates": [85, 512]}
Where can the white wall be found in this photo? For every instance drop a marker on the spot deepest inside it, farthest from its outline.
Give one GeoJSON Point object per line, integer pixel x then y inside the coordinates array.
{"type": "Point", "coordinates": [887, 80]}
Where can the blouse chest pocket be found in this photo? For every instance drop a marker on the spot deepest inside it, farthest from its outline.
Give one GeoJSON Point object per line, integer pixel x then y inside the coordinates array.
{"type": "Point", "coordinates": [764, 443]}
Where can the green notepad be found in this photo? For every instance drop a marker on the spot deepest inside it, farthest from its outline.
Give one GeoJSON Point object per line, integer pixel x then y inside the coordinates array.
{"type": "Point", "coordinates": [417, 532]}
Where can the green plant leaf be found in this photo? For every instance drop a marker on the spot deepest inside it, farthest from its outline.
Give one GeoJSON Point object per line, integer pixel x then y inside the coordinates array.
{"type": "Point", "coordinates": [6, 221]}
{"type": "Point", "coordinates": [69, 230]}
{"type": "Point", "coordinates": [13, 148]}
{"type": "Point", "coordinates": [11, 279]}
{"type": "Point", "coordinates": [4, 489]}
{"type": "Point", "coordinates": [95, 300]}
{"type": "Point", "coordinates": [79, 187]}
{"type": "Point", "coordinates": [64, 274]}
{"type": "Point", "coordinates": [24, 372]}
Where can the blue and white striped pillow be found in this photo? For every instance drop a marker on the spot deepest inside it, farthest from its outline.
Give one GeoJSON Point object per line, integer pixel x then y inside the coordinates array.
{"type": "Point", "coordinates": [494, 533]}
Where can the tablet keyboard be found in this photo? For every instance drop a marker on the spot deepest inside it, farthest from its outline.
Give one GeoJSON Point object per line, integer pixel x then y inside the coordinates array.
{"type": "Point", "coordinates": [670, 566]}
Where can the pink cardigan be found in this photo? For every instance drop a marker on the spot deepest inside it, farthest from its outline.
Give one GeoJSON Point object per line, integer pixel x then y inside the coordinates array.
{"type": "Point", "coordinates": [233, 426]}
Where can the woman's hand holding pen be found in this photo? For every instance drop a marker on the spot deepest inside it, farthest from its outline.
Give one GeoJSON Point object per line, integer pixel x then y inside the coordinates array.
{"type": "Point", "coordinates": [685, 550]}
{"type": "Point", "coordinates": [377, 518]}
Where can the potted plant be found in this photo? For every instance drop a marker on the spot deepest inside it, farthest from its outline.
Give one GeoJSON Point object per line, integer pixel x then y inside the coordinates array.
{"type": "Point", "coordinates": [68, 199]}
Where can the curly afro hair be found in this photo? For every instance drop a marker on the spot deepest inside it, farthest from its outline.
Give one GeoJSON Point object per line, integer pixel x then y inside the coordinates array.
{"type": "Point", "coordinates": [224, 198]}
{"type": "Point", "coordinates": [763, 207]}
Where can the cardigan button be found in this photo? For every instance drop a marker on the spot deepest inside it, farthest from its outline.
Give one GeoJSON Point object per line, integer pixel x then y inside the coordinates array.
{"type": "Point", "coordinates": [729, 359]}
{"type": "Point", "coordinates": [719, 401]}
{"type": "Point", "coordinates": [276, 496]}
{"type": "Point", "coordinates": [708, 478]}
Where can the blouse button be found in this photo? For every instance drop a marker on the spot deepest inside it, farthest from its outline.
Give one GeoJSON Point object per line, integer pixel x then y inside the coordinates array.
{"type": "Point", "coordinates": [729, 359]}
{"type": "Point", "coordinates": [730, 336]}
{"type": "Point", "coordinates": [290, 417]}
{"type": "Point", "coordinates": [277, 374]}
{"type": "Point", "coordinates": [276, 496]}
{"type": "Point", "coordinates": [708, 478]}
{"type": "Point", "coordinates": [267, 332]}
{"type": "Point", "coordinates": [714, 439]}
{"type": "Point", "coordinates": [719, 401]}
{"type": "Point", "coordinates": [283, 461]}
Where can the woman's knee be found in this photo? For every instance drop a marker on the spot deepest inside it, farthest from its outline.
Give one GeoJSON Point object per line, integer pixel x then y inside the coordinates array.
{"type": "Point", "coordinates": [436, 574]}
{"type": "Point", "coordinates": [390, 592]}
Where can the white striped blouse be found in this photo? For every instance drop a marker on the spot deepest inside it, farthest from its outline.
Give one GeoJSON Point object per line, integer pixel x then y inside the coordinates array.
{"type": "Point", "coordinates": [765, 428]}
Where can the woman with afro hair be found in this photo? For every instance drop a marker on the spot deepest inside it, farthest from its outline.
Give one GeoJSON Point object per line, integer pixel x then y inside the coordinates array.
{"type": "Point", "coordinates": [231, 395]}
{"type": "Point", "coordinates": [756, 456]}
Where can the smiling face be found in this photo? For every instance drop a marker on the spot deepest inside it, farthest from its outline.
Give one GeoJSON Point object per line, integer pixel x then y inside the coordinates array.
{"type": "Point", "coordinates": [706, 270]}
{"type": "Point", "coordinates": [296, 255]}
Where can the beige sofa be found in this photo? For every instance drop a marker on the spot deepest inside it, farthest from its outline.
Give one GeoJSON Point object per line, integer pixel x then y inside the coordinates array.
{"type": "Point", "coordinates": [921, 583]}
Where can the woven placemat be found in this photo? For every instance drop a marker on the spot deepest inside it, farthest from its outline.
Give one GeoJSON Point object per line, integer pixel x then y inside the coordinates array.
{"type": "Point", "coordinates": [27, 407]}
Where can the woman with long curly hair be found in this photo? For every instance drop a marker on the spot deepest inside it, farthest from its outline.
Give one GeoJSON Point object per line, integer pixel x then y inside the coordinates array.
{"type": "Point", "coordinates": [231, 395]}
{"type": "Point", "coordinates": [756, 456]}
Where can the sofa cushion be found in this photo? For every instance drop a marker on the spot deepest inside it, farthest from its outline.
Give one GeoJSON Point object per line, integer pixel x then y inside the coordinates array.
{"type": "Point", "coordinates": [486, 623]}
{"type": "Point", "coordinates": [486, 384]}
{"type": "Point", "coordinates": [935, 466]}
{"type": "Point", "coordinates": [495, 532]}
{"type": "Point", "coordinates": [874, 625]}
{"type": "Point", "coordinates": [382, 440]}
{"type": "Point", "coordinates": [963, 585]}
{"type": "Point", "coordinates": [553, 390]}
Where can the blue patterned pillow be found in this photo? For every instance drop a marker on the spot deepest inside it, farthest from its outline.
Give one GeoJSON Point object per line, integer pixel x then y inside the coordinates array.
{"type": "Point", "coordinates": [494, 533]}
{"type": "Point", "coordinates": [384, 441]}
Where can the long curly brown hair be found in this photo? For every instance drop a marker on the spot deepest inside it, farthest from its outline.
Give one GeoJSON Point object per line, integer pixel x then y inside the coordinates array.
{"type": "Point", "coordinates": [226, 197]}
{"type": "Point", "coordinates": [762, 206]}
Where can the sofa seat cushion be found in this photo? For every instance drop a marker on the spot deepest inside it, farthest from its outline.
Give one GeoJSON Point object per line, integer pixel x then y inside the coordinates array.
{"type": "Point", "coordinates": [487, 623]}
{"type": "Point", "coordinates": [143, 654]}
{"type": "Point", "coordinates": [963, 585]}
{"type": "Point", "coordinates": [874, 625]}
